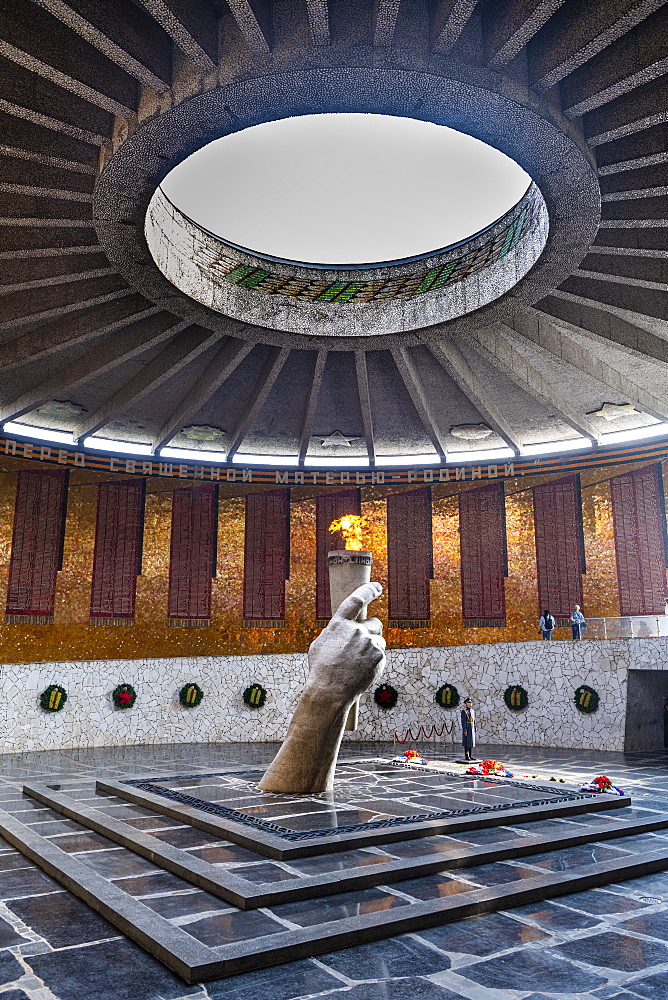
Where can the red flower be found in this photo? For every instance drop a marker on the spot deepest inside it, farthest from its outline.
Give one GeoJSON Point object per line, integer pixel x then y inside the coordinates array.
{"type": "Point", "coordinates": [124, 698]}
{"type": "Point", "coordinates": [384, 696]}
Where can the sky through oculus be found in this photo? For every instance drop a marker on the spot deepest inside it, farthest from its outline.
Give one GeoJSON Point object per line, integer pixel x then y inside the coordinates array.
{"type": "Point", "coordinates": [345, 188]}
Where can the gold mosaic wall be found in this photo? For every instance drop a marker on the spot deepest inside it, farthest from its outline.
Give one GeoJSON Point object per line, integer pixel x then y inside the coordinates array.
{"type": "Point", "coordinates": [72, 638]}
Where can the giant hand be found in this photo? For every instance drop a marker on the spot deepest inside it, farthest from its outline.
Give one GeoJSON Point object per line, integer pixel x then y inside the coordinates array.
{"type": "Point", "coordinates": [347, 657]}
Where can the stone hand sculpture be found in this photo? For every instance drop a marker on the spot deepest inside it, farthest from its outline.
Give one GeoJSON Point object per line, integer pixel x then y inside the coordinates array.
{"type": "Point", "coordinates": [347, 657]}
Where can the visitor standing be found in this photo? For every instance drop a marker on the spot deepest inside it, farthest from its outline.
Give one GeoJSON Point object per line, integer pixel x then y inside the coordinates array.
{"type": "Point", "coordinates": [546, 624]}
{"type": "Point", "coordinates": [468, 729]}
{"type": "Point", "coordinates": [578, 622]}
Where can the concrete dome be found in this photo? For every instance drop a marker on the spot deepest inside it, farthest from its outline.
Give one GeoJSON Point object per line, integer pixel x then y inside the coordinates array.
{"type": "Point", "coordinates": [552, 348]}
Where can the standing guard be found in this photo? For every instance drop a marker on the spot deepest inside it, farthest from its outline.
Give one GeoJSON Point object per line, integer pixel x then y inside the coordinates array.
{"type": "Point", "coordinates": [468, 729]}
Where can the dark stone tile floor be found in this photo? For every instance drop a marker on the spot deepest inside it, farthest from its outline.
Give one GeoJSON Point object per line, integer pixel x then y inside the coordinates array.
{"type": "Point", "coordinates": [605, 944]}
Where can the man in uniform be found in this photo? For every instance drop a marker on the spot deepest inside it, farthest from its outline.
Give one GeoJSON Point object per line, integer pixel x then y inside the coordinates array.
{"type": "Point", "coordinates": [468, 729]}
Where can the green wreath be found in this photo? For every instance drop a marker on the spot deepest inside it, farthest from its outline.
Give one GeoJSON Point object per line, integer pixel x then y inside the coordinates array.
{"type": "Point", "coordinates": [190, 695]}
{"type": "Point", "coordinates": [447, 696]}
{"type": "Point", "coordinates": [586, 699]}
{"type": "Point", "coordinates": [516, 698]}
{"type": "Point", "coordinates": [124, 696]}
{"type": "Point", "coordinates": [255, 696]}
{"type": "Point", "coordinates": [386, 696]}
{"type": "Point", "coordinates": [53, 698]}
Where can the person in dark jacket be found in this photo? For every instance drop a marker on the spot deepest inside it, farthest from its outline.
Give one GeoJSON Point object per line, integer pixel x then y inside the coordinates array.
{"type": "Point", "coordinates": [468, 729]}
{"type": "Point", "coordinates": [546, 624]}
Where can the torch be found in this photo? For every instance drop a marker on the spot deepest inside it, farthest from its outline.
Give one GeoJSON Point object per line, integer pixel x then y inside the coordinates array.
{"type": "Point", "coordinates": [348, 569]}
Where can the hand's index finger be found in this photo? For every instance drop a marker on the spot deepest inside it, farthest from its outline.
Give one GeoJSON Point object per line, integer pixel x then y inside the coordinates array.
{"type": "Point", "coordinates": [351, 607]}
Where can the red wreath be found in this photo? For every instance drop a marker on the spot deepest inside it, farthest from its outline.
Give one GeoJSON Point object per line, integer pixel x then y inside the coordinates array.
{"type": "Point", "coordinates": [386, 696]}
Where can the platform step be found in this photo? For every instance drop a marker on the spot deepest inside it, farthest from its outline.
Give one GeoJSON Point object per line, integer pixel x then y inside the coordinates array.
{"type": "Point", "coordinates": [538, 801]}
{"type": "Point", "coordinates": [209, 942]}
{"type": "Point", "coordinates": [445, 854]}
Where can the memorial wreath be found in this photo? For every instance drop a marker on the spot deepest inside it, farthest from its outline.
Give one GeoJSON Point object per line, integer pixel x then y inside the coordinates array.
{"type": "Point", "coordinates": [124, 696]}
{"type": "Point", "coordinates": [386, 696]}
{"type": "Point", "coordinates": [516, 697]}
{"type": "Point", "coordinates": [255, 696]}
{"type": "Point", "coordinates": [190, 695]}
{"type": "Point", "coordinates": [447, 696]}
{"type": "Point", "coordinates": [53, 698]}
{"type": "Point", "coordinates": [586, 699]}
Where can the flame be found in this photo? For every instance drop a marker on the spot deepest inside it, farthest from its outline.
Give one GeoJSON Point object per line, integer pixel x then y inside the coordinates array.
{"type": "Point", "coordinates": [352, 527]}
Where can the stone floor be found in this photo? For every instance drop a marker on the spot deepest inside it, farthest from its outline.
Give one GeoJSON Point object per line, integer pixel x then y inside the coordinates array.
{"type": "Point", "coordinates": [603, 943]}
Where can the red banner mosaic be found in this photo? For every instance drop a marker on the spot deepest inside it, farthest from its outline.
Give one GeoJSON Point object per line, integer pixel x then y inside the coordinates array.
{"type": "Point", "coordinates": [639, 541]}
{"type": "Point", "coordinates": [327, 509]}
{"type": "Point", "coordinates": [409, 558]}
{"type": "Point", "coordinates": [192, 554]}
{"type": "Point", "coordinates": [559, 546]}
{"type": "Point", "coordinates": [39, 516]}
{"type": "Point", "coordinates": [266, 558]}
{"type": "Point", "coordinates": [482, 545]}
{"type": "Point", "coordinates": [116, 561]}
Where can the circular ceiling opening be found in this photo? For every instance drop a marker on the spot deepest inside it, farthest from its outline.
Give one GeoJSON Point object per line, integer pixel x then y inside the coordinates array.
{"type": "Point", "coordinates": [345, 189]}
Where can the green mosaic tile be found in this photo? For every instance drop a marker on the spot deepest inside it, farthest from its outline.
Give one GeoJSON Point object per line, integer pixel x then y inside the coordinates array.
{"type": "Point", "coordinates": [240, 272]}
{"type": "Point", "coordinates": [254, 279]}
{"type": "Point", "coordinates": [518, 229]}
{"type": "Point", "coordinates": [340, 291]}
{"type": "Point", "coordinates": [406, 286]}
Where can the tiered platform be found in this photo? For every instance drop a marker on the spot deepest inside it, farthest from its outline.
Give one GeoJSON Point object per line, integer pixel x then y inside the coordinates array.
{"type": "Point", "coordinates": [214, 877]}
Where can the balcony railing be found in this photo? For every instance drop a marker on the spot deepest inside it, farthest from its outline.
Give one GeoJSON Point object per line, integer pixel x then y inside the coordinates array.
{"type": "Point", "coordinates": [628, 627]}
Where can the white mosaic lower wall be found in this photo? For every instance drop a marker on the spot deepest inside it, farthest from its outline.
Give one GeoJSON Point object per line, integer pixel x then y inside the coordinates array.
{"type": "Point", "coordinates": [549, 671]}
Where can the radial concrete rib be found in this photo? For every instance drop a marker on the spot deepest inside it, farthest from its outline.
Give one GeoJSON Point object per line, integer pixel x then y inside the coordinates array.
{"type": "Point", "coordinates": [34, 319]}
{"type": "Point", "coordinates": [270, 371]}
{"type": "Point", "coordinates": [192, 25]}
{"type": "Point", "coordinates": [132, 342]}
{"type": "Point", "coordinates": [58, 336]}
{"type": "Point", "coordinates": [40, 252]}
{"type": "Point", "coordinates": [228, 358]}
{"type": "Point", "coordinates": [48, 161]}
{"type": "Point", "coordinates": [631, 113]}
{"type": "Point", "coordinates": [652, 160]}
{"type": "Point", "coordinates": [184, 348]}
{"type": "Point", "coordinates": [495, 348]}
{"type": "Point", "coordinates": [451, 358]}
{"type": "Point", "coordinates": [593, 317]}
{"type": "Point", "coordinates": [629, 252]}
{"type": "Point", "coordinates": [630, 62]}
{"type": "Point", "coordinates": [634, 194]}
{"type": "Point", "coordinates": [107, 24]}
{"type": "Point", "coordinates": [660, 223]}
{"type": "Point", "coordinates": [312, 404]}
{"type": "Point", "coordinates": [44, 223]}
{"type": "Point", "coordinates": [449, 20]}
{"type": "Point", "coordinates": [318, 19]}
{"type": "Point", "coordinates": [580, 38]}
{"type": "Point", "coordinates": [415, 389]}
{"type": "Point", "coordinates": [513, 26]}
{"type": "Point", "coordinates": [44, 46]}
{"type": "Point", "coordinates": [656, 328]}
{"type": "Point", "coordinates": [61, 194]}
{"type": "Point", "coordinates": [639, 125]}
{"type": "Point", "coordinates": [384, 21]}
{"type": "Point", "coordinates": [59, 279]}
{"type": "Point", "coordinates": [253, 20]}
{"type": "Point", "coordinates": [54, 124]}
{"type": "Point", "coordinates": [365, 404]}
{"type": "Point", "coordinates": [620, 279]}
{"type": "Point", "coordinates": [575, 351]}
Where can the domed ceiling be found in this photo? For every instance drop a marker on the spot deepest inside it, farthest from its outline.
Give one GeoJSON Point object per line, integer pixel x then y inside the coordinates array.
{"type": "Point", "coordinates": [123, 321]}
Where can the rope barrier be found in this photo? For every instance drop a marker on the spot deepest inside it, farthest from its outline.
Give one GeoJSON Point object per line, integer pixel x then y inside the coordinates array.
{"type": "Point", "coordinates": [433, 731]}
